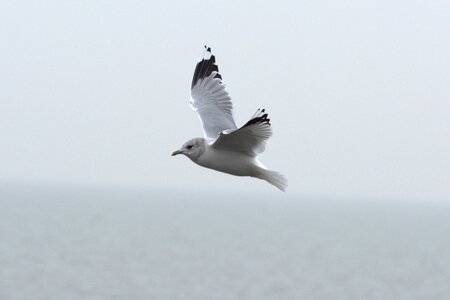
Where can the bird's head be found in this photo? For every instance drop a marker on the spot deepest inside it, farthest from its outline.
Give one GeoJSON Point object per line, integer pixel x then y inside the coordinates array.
{"type": "Point", "coordinates": [192, 148]}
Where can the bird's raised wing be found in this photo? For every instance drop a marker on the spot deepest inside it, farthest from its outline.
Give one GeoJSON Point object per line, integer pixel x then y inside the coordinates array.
{"type": "Point", "coordinates": [250, 139]}
{"type": "Point", "coordinates": [209, 99]}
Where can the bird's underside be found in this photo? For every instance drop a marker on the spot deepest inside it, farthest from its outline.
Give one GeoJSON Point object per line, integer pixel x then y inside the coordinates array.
{"type": "Point", "coordinates": [225, 147]}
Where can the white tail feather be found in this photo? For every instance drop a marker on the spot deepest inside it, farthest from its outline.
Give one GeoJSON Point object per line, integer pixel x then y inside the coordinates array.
{"type": "Point", "coordinates": [274, 178]}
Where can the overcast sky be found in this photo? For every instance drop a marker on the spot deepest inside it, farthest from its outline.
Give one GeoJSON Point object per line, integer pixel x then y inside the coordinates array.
{"type": "Point", "coordinates": [358, 92]}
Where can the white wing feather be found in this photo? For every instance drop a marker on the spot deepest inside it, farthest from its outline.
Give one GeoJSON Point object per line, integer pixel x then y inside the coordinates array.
{"type": "Point", "coordinates": [209, 98]}
{"type": "Point", "coordinates": [250, 139]}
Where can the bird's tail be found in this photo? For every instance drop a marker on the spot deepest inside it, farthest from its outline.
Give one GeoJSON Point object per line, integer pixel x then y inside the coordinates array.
{"type": "Point", "coordinates": [273, 177]}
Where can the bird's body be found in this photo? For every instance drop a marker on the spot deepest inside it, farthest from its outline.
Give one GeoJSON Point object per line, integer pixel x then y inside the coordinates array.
{"type": "Point", "coordinates": [226, 161]}
{"type": "Point", "coordinates": [226, 148]}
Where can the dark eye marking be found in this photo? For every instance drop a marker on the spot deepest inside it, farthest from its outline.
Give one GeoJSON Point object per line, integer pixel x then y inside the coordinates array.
{"type": "Point", "coordinates": [189, 147]}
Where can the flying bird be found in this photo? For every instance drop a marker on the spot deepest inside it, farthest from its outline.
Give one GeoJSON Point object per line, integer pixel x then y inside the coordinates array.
{"type": "Point", "coordinates": [225, 147]}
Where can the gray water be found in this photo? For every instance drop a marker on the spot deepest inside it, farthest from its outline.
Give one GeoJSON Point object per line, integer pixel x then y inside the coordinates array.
{"type": "Point", "coordinates": [58, 243]}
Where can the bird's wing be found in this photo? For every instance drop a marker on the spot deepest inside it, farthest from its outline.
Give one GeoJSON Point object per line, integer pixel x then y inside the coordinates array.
{"type": "Point", "coordinates": [250, 139]}
{"type": "Point", "coordinates": [209, 99]}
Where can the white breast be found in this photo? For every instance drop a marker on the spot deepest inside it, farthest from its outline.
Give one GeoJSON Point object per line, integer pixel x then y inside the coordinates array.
{"type": "Point", "coordinates": [234, 163]}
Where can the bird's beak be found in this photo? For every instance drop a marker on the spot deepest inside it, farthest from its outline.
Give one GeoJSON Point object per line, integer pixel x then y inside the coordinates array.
{"type": "Point", "coordinates": [177, 152]}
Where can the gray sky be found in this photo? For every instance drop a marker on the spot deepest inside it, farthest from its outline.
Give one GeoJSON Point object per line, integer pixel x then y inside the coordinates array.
{"type": "Point", "coordinates": [358, 92]}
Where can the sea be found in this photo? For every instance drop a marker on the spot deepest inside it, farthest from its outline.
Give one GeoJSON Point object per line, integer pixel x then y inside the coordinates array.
{"type": "Point", "coordinates": [61, 242]}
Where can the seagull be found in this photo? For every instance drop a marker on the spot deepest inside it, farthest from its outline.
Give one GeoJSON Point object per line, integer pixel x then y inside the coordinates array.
{"type": "Point", "coordinates": [225, 147]}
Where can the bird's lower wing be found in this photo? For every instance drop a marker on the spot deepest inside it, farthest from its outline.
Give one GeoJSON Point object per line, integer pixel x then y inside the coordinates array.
{"type": "Point", "coordinates": [250, 139]}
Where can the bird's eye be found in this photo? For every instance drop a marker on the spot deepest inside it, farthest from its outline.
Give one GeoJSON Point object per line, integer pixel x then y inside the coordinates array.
{"type": "Point", "coordinates": [189, 147]}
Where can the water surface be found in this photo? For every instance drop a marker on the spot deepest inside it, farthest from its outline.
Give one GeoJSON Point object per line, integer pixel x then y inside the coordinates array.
{"type": "Point", "coordinates": [58, 243]}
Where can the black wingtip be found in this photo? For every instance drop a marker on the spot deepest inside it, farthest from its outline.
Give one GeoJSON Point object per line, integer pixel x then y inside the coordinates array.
{"type": "Point", "coordinates": [205, 67]}
{"type": "Point", "coordinates": [261, 119]}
